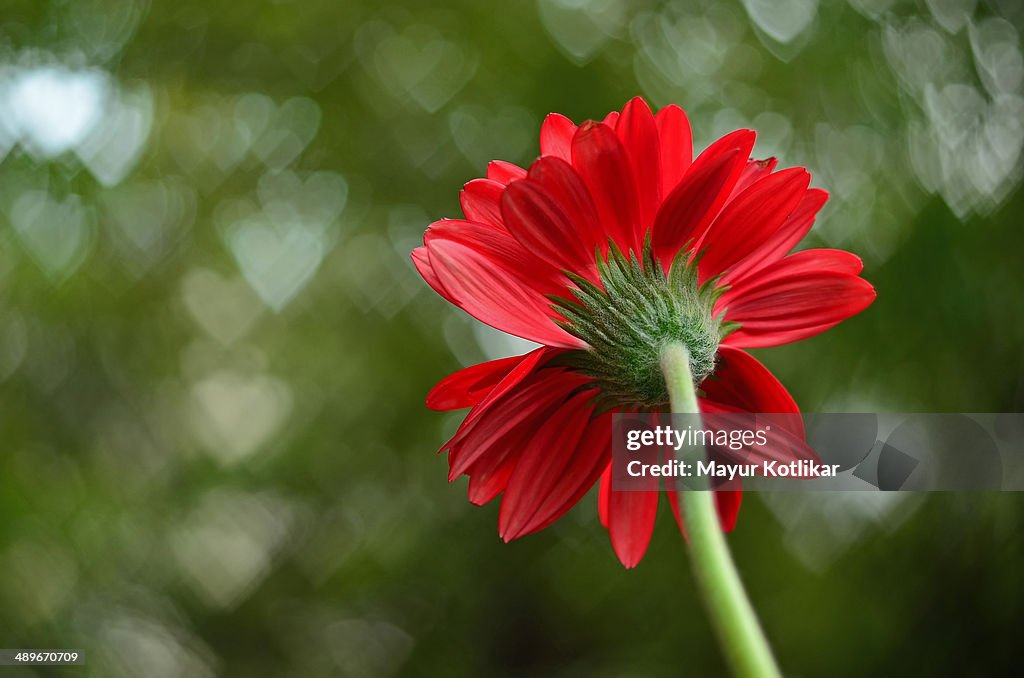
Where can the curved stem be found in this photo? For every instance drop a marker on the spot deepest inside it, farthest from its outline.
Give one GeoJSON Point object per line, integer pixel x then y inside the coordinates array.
{"type": "Point", "coordinates": [726, 601]}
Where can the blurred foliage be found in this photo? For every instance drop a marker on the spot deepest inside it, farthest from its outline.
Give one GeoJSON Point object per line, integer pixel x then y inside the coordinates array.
{"type": "Point", "coordinates": [214, 350]}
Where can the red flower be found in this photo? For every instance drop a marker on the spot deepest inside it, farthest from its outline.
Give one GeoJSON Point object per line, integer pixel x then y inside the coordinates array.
{"type": "Point", "coordinates": [612, 243]}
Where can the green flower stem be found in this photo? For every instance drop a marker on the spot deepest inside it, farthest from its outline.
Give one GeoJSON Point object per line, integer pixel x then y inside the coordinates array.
{"type": "Point", "coordinates": [726, 601]}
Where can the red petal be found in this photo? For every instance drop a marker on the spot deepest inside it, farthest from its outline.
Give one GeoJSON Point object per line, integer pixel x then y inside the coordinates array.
{"type": "Point", "coordinates": [792, 305]}
{"type": "Point", "coordinates": [542, 226]}
{"type": "Point", "coordinates": [690, 208]}
{"type": "Point", "coordinates": [533, 497]}
{"type": "Point", "coordinates": [556, 134]}
{"type": "Point", "coordinates": [504, 172]}
{"type": "Point", "coordinates": [604, 494]}
{"type": "Point", "coordinates": [491, 450]}
{"type": "Point", "coordinates": [561, 183]}
{"type": "Point", "coordinates": [740, 380]}
{"type": "Point", "coordinates": [777, 338]}
{"type": "Point", "coordinates": [639, 136]}
{"type": "Point", "coordinates": [804, 261]}
{"type": "Point", "coordinates": [481, 201]}
{"type": "Point", "coordinates": [789, 234]}
{"type": "Point", "coordinates": [591, 458]}
{"type": "Point", "coordinates": [520, 372]}
{"type": "Point", "coordinates": [631, 517]}
{"type": "Point", "coordinates": [421, 260]}
{"type": "Point", "coordinates": [742, 384]}
{"type": "Point", "coordinates": [495, 463]}
{"type": "Point", "coordinates": [726, 501]}
{"type": "Point", "coordinates": [466, 387]}
{"type": "Point", "coordinates": [822, 260]}
{"type": "Point", "coordinates": [491, 292]}
{"type": "Point", "coordinates": [750, 219]}
{"type": "Point", "coordinates": [784, 440]}
{"type": "Point", "coordinates": [676, 146]}
{"type": "Point", "coordinates": [611, 119]}
{"type": "Point", "coordinates": [499, 244]}
{"type": "Point", "coordinates": [491, 426]}
{"type": "Point", "coordinates": [487, 483]}
{"type": "Point", "coordinates": [601, 162]}
{"type": "Point", "coordinates": [752, 173]}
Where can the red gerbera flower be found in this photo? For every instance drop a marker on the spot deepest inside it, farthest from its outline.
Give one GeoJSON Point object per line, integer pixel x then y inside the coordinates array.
{"type": "Point", "coordinates": [613, 243]}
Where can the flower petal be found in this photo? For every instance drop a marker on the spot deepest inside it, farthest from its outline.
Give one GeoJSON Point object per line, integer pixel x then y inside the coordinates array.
{"type": "Point", "coordinates": [695, 202]}
{"type": "Point", "coordinates": [526, 369]}
{"type": "Point", "coordinates": [498, 244]}
{"type": "Point", "coordinates": [742, 381]}
{"type": "Point", "coordinates": [546, 475]}
{"type": "Point", "coordinates": [783, 240]}
{"type": "Point", "coordinates": [481, 201]}
{"type": "Point", "coordinates": [491, 448]}
{"type": "Point", "coordinates": [491, 292]}
{"type": "Point", "coordinates": [752, 173]}
{"type": "Point", "coordinates": [639, 136]}
{"type": "Point", "coordinates": [823, 260]}
{"type": "Point", "coordinates": [495, 443]}
{"type": "Point", "coordinates": [504, 172]}
{"type": "Point", "coordinates": [466, 387]}
{"type": "Point", "coordinates": [542, 227]}
{"type": "Point", "coordinates": [603, 494]}
{"type": "Point", "coordinates": [804, 261]}
{"type": "Point", "coordinates": [556, 134]}
{"type": "Point", "coordinates": [631, 516]}
{"type": "Point", "coordinates": [750, 219]}
{"type": "Point", "coordinates": [601, 161]}
{"type": "Point", "coordinates": [489, 482]}
{"type": "Point", "coordinates": [784, 440]}
{"type": "Point", "coordinates": [561, 183]}
{"type": "Point", "coordinates": [727, 502]}
{"type": "Point", "coordinates": [786, 306]}
{"type": "Point", "coordinates": [421, 260]}
{"type": "Point", "coordinates": [676, 146]}
{"type": "Point", "coordinates": [526, 394]}
{"type": "Point", "coordinates": [591, 458]}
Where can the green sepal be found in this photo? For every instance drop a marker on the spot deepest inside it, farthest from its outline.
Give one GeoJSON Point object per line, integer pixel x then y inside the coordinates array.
{"type": "Point", "coordinates": [625, 321]}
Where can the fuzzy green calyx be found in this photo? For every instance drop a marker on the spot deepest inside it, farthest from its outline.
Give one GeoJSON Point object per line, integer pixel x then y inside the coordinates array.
{"type": "Point", "coordinates": [626, 324]}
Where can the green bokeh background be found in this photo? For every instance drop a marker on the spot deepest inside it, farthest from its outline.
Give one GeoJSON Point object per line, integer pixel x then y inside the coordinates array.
{"type": "Point", "coordinates": [214, 351]}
